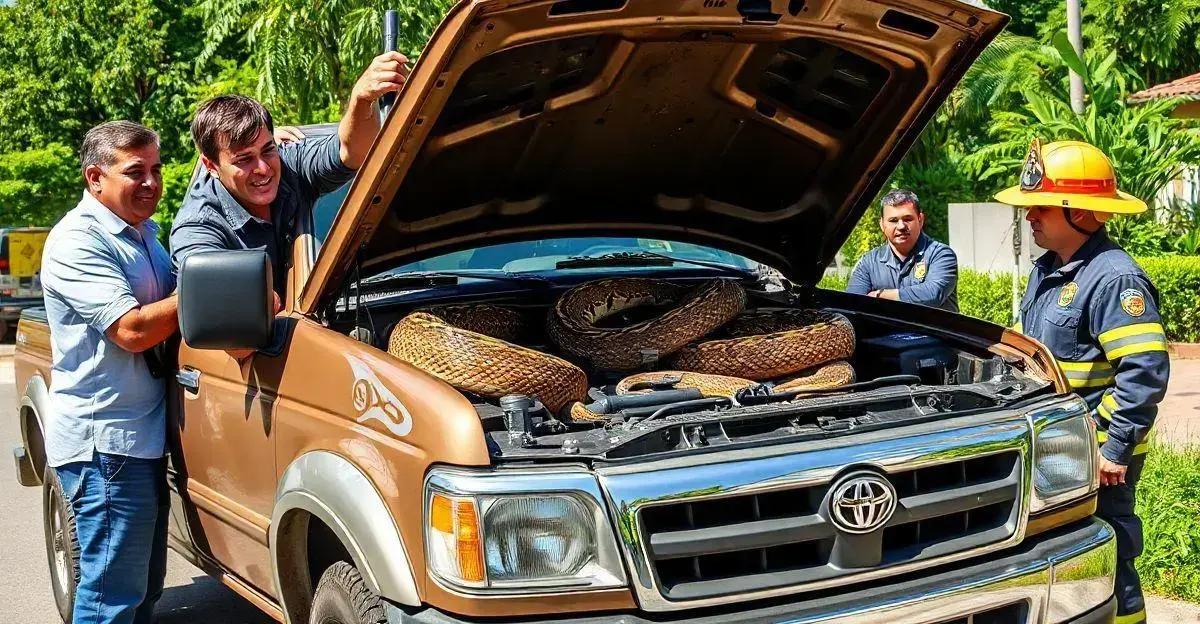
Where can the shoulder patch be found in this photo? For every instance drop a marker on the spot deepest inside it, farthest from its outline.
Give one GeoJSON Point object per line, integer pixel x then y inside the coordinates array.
{"type": "Point", "coordinates": [1067, 294]}
{"type": "Point", "coordinates": [1133, 302]}
{"type": "Point", "coordinates": [920, 270]}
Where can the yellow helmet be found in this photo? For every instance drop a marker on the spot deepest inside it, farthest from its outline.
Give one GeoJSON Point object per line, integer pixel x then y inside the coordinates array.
{"type": "Point", "coordinates": [1070, 174]}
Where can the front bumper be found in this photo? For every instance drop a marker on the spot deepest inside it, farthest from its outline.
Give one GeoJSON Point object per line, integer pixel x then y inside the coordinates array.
{"type": "Point", "coordinates": [1064, 576]}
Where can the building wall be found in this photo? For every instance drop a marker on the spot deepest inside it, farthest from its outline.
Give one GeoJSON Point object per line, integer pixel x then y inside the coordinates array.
{"type": "Point", "coordinates": [981, 235]}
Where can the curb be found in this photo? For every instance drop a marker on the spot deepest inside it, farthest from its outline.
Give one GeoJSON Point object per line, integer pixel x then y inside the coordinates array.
{"type": "Point", "coordinates": [1184, 350]}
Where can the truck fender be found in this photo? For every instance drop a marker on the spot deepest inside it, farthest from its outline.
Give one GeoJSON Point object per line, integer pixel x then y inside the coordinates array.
{"type": "Point", "coordinates": [35, 401]}
{"type": "Point", "coordinates": [335, 491]}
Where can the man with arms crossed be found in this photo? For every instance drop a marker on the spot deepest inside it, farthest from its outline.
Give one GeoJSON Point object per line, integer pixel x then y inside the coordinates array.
{"type": "Point", "coordinates": [910, 266]}
{"type": "Point", "coordinates": [109, 297]}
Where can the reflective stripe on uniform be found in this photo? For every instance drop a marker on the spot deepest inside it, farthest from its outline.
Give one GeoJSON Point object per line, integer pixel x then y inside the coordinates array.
{"type": "Point", "coordinates": [1131, 339]}
{"type": "Point", "coordinates": [1107, 406]}
{"type": "Point", "coordinates": [1137, 617]}
{"type": "Point", "coordinates": [1087, 374]}
{"type": "Point", "coordinates": [1142, 447]}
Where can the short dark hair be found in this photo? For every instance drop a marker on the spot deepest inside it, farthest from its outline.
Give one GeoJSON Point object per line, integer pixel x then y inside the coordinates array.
{"type": "Point", "coordinates": [901, 196]}
{"type": "Point", "coordinates": [102, 142]}
{"type": "Point", "coordinates": [228, 121]}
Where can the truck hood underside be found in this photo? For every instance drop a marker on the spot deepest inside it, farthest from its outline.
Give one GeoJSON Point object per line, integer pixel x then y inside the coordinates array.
{"type": "Point", "coordinates": [762, 128]}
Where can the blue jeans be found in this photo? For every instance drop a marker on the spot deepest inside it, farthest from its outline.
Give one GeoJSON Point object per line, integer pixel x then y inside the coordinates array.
{"type": "Point", "coordinates": [121, 507]}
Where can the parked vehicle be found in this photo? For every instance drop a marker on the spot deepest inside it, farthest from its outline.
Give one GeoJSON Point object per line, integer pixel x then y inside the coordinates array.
{"type": "Point", "coordinates": [542, 145]}
{"type": "Point", "coordinates": [20, 266]}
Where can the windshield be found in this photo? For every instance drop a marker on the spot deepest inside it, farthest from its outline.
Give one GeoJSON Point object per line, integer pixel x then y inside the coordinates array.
{"type": "Point", "coordinates": [543, 256]}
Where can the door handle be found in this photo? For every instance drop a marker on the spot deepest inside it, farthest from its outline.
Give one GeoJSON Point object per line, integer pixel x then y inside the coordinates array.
{"type": "Point", "coordinates": [188, 378]}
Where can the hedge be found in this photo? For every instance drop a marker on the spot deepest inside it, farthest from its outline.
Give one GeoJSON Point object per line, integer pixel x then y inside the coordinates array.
{"type": "Point", "coordinates": [989, 296]}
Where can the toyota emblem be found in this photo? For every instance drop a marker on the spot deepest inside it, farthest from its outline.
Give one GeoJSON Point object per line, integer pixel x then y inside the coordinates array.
{"type": "Point", "coordinates": [862, 502]}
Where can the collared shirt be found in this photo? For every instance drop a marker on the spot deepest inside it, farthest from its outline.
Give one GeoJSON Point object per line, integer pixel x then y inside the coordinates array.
{"type": "Point", "coordinates": [95, 268]}
{"type": "Point", "coordinates": [211, 219]}
{"type": "Point", "coordinates": [1098, 315]}
{"type": "Point", "coordinates": [928, 276]}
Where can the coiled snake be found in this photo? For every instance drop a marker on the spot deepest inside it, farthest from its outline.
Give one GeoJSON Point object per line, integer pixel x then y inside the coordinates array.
{"type": "Point", "coordinates": [704, 337]}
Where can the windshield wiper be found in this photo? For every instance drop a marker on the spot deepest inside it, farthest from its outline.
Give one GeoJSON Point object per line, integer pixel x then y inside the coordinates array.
{"type": "Point", "coordinates": [647, 259]}
{"type": "Point", "coordinates": [431, 279]}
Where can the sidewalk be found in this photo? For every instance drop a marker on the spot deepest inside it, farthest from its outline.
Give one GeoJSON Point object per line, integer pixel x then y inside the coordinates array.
{"type": "Point", "coordinates": [1178, 421]}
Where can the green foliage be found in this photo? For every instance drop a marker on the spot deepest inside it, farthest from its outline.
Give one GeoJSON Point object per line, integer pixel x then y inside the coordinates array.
{"type": "Point", "coordinates": [1168, 502]}
{"type": "Point", "coordinates": [1178, 282]}
{"type": "Point", "coordinates": [309, 54]}
{"type": "Point", "coordinates": [175, 183]}
{"type": "Point", "coordinates": [988, 296]}
{"type": "Point", "coordinates": [38, 186]}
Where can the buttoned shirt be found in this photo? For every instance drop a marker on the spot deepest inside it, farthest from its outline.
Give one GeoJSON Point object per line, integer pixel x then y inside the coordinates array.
{"type": "Point", "coordinates": [928, 276]}
{"type": "Point", "coordinates": [211, 219]}
{"type": "Point", "coordinates": [95, 268]}
{"type": "Point", "coordinates": [1098, 315]}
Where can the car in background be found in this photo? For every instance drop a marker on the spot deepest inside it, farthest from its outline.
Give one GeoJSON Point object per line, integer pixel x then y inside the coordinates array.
{"type": "Point", "coordinates": [20, 269]}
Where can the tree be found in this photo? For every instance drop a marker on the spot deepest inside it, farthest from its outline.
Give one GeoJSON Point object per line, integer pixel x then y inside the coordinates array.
{"type": "Point", "coordinates": [38, 186]}
{"type": "Point", "coordinates": [69, 64]}
{"type": "Point", "coordinates": [309, 54]}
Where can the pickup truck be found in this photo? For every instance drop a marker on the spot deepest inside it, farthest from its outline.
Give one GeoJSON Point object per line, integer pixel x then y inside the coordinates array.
{"type": "Point", "coordinates": [544, 144]}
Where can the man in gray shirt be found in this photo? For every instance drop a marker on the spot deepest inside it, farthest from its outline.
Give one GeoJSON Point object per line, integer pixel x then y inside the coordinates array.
{"type": "Point", "coordinates": [252, 191]}
{"type": "Point", "coordinates": [109, 297]}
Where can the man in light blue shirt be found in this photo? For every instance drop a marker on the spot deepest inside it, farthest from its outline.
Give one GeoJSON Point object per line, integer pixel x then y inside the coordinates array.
{"type": "Point", "coordinates": [109, 297]}
{"type": "Point", "coordinates": [910, 266]}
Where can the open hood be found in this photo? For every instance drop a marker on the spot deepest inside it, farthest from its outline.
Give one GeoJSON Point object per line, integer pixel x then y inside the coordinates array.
{"type": "Point", "coordinates": [764, 127]}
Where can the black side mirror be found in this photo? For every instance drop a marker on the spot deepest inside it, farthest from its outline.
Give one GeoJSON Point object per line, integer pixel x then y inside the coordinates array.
{"type": "Point", "coordinates": [225, 300]}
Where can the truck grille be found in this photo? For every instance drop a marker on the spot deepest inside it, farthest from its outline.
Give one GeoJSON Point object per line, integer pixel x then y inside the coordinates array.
{"type": "Point", "coordinates": [749, 524]}
{"type": "Point", "coordinates": [761, 541]}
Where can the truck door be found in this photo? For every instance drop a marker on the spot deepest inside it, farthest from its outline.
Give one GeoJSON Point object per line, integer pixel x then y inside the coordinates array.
{"type": "Point", "coordinates": [225, 413]}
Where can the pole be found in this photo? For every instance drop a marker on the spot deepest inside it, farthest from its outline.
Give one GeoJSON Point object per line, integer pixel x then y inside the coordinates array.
{"type": "Point", "coordinates": [1016, 272]}
{"type": "Point", "coordinates": [1075, 36]}
{"type": "Point", "coordinates": [391, 26]}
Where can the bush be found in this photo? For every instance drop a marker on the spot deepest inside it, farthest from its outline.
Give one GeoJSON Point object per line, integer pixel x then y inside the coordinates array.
{"type": "Point", "coordinates": [1169, 506]}
{"type": "Point", "coordinates": [989, 296]}
{"type": "Point", "coordinates": [1178, 281]}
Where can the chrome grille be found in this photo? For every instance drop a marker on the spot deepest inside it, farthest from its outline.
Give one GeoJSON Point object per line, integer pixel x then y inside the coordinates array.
{"type": "Point", "coordinates": [775, 539]}
{"type": "Point", "coordinates": [750, 524]}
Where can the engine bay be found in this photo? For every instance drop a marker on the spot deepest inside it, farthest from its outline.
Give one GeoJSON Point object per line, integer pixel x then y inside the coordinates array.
{"type": "Point", "coordinates": [902, 372]}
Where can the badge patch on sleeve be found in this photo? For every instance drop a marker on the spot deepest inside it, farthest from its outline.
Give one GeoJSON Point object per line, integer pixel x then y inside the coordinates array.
{"type": "Point", "coordinates": [1133, 302]}
{"type": "Point", "coordinates": [1067, 294]}
{"type": "Point", "coordinates": [919, 271]}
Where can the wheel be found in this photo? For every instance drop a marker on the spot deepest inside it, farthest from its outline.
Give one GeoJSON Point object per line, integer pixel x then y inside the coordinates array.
{"type": "Point", "coordinates": [62, 544]}
{"type": "Point", "coordinates": [343, 598]}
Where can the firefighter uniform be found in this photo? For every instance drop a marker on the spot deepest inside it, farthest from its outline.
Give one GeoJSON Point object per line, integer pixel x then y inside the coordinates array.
{"type": "Point", "coordinates": [1098, 315]}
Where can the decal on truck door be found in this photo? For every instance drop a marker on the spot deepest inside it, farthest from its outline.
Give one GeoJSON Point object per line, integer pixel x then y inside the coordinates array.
{"type": "Point", "coordinates": [373, 401]}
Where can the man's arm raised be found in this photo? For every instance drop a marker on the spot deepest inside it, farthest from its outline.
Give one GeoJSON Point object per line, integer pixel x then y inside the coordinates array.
{"type": "Point", "coordinates": [387, 73]}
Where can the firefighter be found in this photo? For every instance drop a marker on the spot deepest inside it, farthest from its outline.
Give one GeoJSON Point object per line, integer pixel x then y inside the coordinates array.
{"type": "Point", "coordinates": [1096, 310]}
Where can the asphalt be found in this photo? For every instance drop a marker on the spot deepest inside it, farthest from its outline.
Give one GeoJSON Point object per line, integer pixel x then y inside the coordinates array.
{"type": "Point", "coordinates": [191, 595]}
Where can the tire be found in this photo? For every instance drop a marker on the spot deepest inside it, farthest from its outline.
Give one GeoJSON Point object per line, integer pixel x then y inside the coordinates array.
{"type": "Point", "coordinates": [343, 598]}
{"type": "Point", "coordinates": [62, 544]}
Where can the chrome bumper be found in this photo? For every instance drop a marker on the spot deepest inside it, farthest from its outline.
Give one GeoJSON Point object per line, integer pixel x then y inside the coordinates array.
{"type": "Point", "coordinates": [1063, 577]}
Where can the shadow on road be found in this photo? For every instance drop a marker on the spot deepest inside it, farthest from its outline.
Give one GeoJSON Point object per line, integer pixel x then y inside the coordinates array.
{"type": "Point", "coordinates": [205, 599]}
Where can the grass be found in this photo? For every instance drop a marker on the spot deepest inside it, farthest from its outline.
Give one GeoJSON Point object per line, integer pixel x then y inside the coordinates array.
{"type": "Point", "coordinates": [1168, 502]}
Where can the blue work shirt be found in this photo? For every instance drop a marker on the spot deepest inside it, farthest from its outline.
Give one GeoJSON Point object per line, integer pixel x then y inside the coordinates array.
{"type": "Point", "coordinates": [95, 268]}
{"type": "Point", "coordinates": [928, 276]}
{"type": "Point", "coordinates": [211, 219]}
{"type": "Point", "coordinates": [1098, 315]}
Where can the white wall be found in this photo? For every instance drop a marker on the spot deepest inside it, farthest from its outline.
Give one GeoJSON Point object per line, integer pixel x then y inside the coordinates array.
{"type": "Point", "coordinates": [981, 236]}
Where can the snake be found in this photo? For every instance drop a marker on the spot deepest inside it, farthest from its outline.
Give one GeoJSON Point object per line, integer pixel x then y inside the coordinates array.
{"type": "Point", "coordinates": [702, 333]}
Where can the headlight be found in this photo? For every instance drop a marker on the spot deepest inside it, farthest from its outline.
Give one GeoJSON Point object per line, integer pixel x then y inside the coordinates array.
{"type": "Point", "coordinates": [519, 530]}
{"type": "Point", "coordinates": [1064, 453]}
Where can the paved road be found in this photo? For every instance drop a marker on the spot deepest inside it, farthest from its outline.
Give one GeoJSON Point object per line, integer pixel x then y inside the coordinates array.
{"type": "Point", "coordinates": [191, 596]}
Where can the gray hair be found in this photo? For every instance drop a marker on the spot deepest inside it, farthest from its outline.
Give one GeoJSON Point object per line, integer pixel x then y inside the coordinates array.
{"type": "Point", "coordinates": [900, 196]}
{"type": "Point", "coordinates": [101, 143]}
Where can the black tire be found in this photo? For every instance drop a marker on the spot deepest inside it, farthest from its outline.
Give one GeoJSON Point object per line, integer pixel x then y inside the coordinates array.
{"type": "Point", "coordinates": [343, 598]}
{"type": "Point", "coordinates": [62, 543]}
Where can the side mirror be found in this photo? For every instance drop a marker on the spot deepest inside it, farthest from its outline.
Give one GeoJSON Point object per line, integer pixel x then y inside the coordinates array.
{"type": "Point", "coordinates": [225, 300]}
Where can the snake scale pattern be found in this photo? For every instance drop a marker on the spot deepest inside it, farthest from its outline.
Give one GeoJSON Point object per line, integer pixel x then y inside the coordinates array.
{"type": "Point", "coordinates": [703, 336]}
